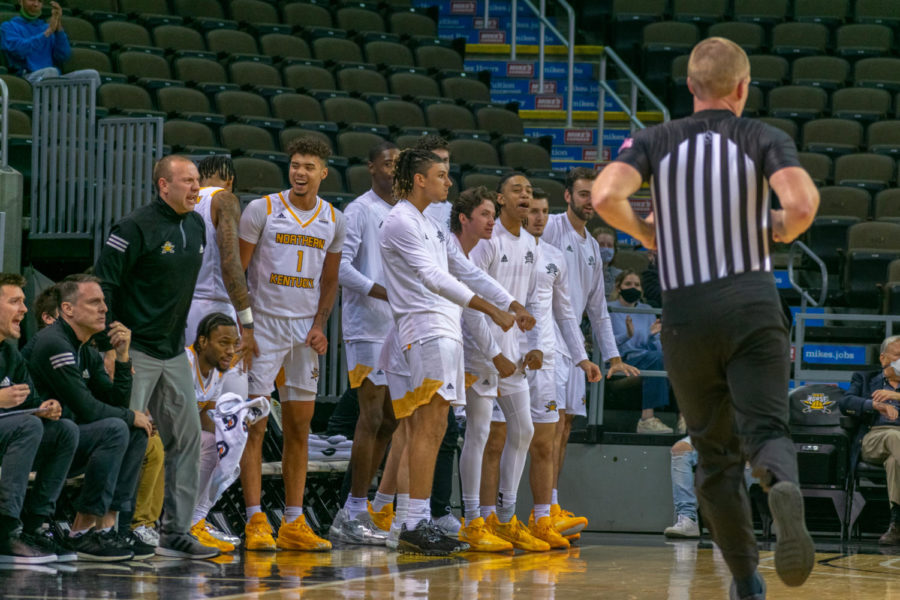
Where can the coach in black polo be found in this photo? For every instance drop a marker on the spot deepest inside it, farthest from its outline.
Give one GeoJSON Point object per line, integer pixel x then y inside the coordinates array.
{"type": "Point", "coordinates": [724, 335]}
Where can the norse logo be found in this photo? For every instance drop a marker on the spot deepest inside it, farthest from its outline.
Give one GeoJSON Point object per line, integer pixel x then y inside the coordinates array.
{"type": "Point", "coordinates": [818, 403]}
{"type": "Point", "coordinates": [591, 261]}
{"type": "Point", "coordinates": [552, 269]}
{"type": "Point", "coordinates": [529, 258]}
{"type": "Point", "coordinates": [168, 248]}
{"type": "Point", "coordinates": [230, 422]}
{"type": "Point", "coordinates": [222, 449]}
{"type": "Point", "coordinates": [315, 373]}
{"type": "Point", "coordinates": [440, 235]}
{"type": "Point", "coordinates": [551, 406]}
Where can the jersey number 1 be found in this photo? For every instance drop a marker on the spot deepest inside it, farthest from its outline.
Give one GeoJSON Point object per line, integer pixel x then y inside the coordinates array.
{"type": "Point", "coordinates": [299, 260]}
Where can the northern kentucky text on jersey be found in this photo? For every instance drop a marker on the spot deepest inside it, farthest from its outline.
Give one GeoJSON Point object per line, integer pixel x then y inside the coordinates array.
{"type": "Point", "coordinates": [295, 239]}
{"type": "Point", "coordinates": [291, 281]}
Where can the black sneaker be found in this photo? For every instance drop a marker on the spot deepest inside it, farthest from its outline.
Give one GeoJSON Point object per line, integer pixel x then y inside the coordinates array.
{"type": "Point", "coordinates": [140, 550]}
{"type": "Point", "coordinates": [183, 545]}
{"type": "Point", "coordinates": [46, 540]}
{"type": "Point", "coordinates": [99, 547]}
{"type": "Point", "coordinates": [14, 549]}
{"type": "Point", "coordinates": [795, 553]}
{"type": "Point", "coordinates": [429, 540]}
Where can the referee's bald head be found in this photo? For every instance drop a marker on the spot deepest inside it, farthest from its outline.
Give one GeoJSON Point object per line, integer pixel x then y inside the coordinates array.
{"type": "Point", "coordinates": [716, 67]}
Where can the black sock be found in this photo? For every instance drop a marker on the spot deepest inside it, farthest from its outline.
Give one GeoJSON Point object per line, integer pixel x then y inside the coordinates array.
{"type": "Point", "coordinates": [7, 525]}
{"type": "Point", "coordinates": [895, 513]}
{"type": "Point", "coordinates": [748, 586]}
{"type": "Point", "coordinates": [31, 523]}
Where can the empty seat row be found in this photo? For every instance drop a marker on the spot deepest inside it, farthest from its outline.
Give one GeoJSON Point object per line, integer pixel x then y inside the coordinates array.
{"type": "Point", "coordinates": [873, 172]}
{"type": "Point", "coordinates": [809, 102]}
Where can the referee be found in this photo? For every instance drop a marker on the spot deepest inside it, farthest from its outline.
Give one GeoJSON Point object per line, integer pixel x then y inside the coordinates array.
{"type": "Point", "coordinates": [724, 335]}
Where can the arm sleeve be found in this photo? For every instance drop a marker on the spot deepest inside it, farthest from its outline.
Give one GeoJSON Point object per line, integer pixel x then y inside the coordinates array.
{"type": "Point", "coordinates": [781, 152]}
{"type": "Point", "coordinates": [116, 392]}
{"type": "Point", "coordinates": [117, 257]}
{"type": "Point", "coordinates": [483, 284]}
{"type": "Point", "coordinates": [253, 220]}
{"type": "Point", "coordinates": [477, 327]}
{"type": "Point", "coordinates": [350, 277]}
{"type": "Point", "coordinates": [20, 374]}
{"type": "Point", "coordinates": [17, 43]}
{"type": "Point", "coordinates": [601, 324]}
{"type": "Point", "coordinates": [634, 152]}
{"type": "Point", "coordinates": [404, 240]}
{"type": "Point", "coordinates": [54, 363]}
{"type": "Point", "coordinates": [340, 232]}
{"type": "Point", "coordinates": [564, 315]}
{"type": "Point", "coordinates": [62, 50]}
{"type": "Point", "coordinates": [853, 402]}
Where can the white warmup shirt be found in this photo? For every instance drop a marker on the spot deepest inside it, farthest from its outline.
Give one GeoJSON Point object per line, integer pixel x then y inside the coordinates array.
{"type": "Point", "coordinates": [364, 318]}
{"type": "Point", "coordinates": [479, 344]}
{"type": "Point", "coordinates": [291, 244]}
{"type": "Point", "coordinates": [440, 212]}
{"type": "Point", "coordinates": [210, 285]}
{"type": "Point", "coordinates": [586, 291]}
{"type": "Point", "coordinates": [553, 308]}
{"type": "Point", "coordinates": [421, 270]}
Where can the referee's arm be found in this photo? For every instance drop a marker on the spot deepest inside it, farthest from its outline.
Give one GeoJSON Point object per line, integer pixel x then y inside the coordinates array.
{"type": "Point", "coordinates": [609, 195]}
{"type": "Point", "coordinates": [799, 199]}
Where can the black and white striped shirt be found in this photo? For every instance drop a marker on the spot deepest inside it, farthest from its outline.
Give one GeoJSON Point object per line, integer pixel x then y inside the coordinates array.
{"type": "Point", "coordinates": [708, 177]}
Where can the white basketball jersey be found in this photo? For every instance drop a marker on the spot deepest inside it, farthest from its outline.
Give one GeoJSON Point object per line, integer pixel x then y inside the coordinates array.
{"type": "Point", "coordinates": [206, 389]}
{"type": "Point", "coordinates": [210, 285]}
{"type": "Point", "coordinates": [284, 272]}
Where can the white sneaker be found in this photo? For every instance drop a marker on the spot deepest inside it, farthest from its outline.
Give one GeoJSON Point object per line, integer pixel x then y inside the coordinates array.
{"type": "Point", "coordinates": [653, 425]}
{"type": "Point", "coordinates": [148, 535]}
{"type": "Point", "coordinates": [681, 427]}
{"type": "Point", "coordinates": [393, 539]}
{"type": "Point", "coordinates": [685, 527]}
{"type": "Point", "coordinates": [449, 525]}
{"type": "Point", "coordinates": [220, 535]}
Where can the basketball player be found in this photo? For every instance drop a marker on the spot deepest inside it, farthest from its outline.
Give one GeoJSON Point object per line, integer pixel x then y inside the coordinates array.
{"type": "Point", "coordinates": [439, 211]}
{"type": "Point", "coordinates": [724, 336]}
{"type": "Point", "coordinates": [567, 232]}
{"type": "Point", "coordinates": [366, 320]}
{"type": "Point", "coordinates": [291, 245]}
{"type": "Point", "coordinates": [221, 285]}
{"type": "Point", "coordinates": [421, 270]}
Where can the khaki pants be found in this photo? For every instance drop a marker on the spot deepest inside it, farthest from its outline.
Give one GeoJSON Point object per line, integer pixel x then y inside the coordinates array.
{"type": "Point", "coordinates": [149, 501]}
{"type": "Point", "coordinates": [882, 446]}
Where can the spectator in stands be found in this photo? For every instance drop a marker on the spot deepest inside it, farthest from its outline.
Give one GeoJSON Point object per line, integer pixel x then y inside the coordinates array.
{"type": "Point", "coordinates": [606, 238]}
{"type": "Point", "coordinates": [45, 307]}
{"type": "Point", "coordinates": [45, 444]}
{"type": "Point", "coordinates": [112, 438]}
{"type": "Point", "coordinates": [637, 337]}
{"type": "Point", "coordinates": [148, 269]}
{"type": "Point", "coordinates": [874, 398]}
{"type": "Point", "coordinates": [35, 48]}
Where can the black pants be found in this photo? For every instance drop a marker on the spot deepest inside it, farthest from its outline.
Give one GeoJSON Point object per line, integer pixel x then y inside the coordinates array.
{"type": "Point", "coordinates": [442, 486]}
{"type": "Point", "coordinates": [727, 352]}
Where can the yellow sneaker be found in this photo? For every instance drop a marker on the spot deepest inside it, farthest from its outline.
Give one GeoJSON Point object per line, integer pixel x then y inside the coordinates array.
{"type": "Point", "coordinates": [203, 536]}
{"type": "Point", "coordinates": [517, 534]}
{"type": "Point", "coordinates": [543, 530]}
{"type": "Point", "coordinates": [566, 522]}
{"type": "Point", "coordinates": [383, 517]}
{"type": "Point", "coordinates": [480, 539]}
{"type": "Point", "coordinates": [258, 533]}
{"type": "Point", "coordinates": [297, 535]}
{"type": "Point", "coordinates": [573, 538]}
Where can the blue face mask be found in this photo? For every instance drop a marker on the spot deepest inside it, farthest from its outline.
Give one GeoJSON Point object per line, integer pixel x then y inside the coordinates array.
{"type": "Point", "coordinates": [606, 255]}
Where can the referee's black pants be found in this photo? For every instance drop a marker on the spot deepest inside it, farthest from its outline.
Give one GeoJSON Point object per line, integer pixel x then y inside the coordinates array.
{"type": "Point", "coordinates": [727, 352]}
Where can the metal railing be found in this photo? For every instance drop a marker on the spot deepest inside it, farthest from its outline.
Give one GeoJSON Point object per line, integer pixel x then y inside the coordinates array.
{"type": "Point", "coordinates": [126, 151]}
{"type": "Point", "coordinates": [62, 158]}
{"type": "Point", "coordinates": [4, 126]}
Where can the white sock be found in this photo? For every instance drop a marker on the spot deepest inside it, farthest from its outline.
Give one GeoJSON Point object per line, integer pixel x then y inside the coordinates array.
{"type": "Point", "coordinates": [402, 508]}
{"type": "Point", "coordinates": [478, 427]}
{"type": "Point", "coordinates": [355, 506]}
{"type": "Point", "coordinates": [381, 500]}
{"type": "Point", "coordinates": [486, 511]}
{"type": "Point", "coordinates": [554, 499]}
{"type": "Point", "coordinates": [541, 510]}
{"type": "Point", "coordinates": [418, 509]}
{"type": "Point", "coordinates": [292, 513]}
{"type": "Point", "coordinates": [74, 533]}
{"type": "Point", "coordinates": [252, 510]}
{"type": "Point", "coordinates": [199, 515]}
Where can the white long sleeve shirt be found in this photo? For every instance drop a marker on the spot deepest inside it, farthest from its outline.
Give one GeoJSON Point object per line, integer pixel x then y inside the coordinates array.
{"type": "Point", "coordinates": [586, 290]}
{"type": "Point", "coordinates": [364, 318]}
{"type": "Point", "coordinates": [479, 344]}
{"type": "Point", "coordinates": [421, 269]}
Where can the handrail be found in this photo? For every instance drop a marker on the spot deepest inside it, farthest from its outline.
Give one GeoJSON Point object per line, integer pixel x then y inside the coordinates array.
{"type": "Point", "coordinates": [4, 129]}
{"type": "Point", "coordinates": [822, 268]}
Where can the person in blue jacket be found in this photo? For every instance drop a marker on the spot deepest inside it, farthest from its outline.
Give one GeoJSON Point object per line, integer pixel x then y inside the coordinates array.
{"type": "Point", "coordinates": [35, 48]}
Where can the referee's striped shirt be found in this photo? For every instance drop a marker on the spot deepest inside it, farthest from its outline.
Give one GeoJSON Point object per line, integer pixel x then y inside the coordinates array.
{"type": "Point", "coordinates": [708, 177]}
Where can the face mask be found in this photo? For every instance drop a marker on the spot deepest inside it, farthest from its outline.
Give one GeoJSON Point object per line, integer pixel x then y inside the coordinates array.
{"type": "Point", "coordinates": [630, 295]}
{"type": "Point", "coordinates": [606, 255]}
{"type": "Point", "coordinates": [896, 366]}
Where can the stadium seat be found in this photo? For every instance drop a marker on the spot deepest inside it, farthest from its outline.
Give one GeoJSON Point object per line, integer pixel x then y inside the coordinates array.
{"type": "Point", "coordinates": [860, 104]}
{"type": "Point", "coordinates": [257, 77]}
{"type": "Point", "coordinates": [799, 39]}
{"type": "Point", "coordinates": [248, 108]}
{"type": "Point", "coordinates": [359, 20]}
{"type": "Point", "coordinates": [887, 208]}
{"type": "Point", "coordinates": [257, 176]}
{"type": "Point", "coordinates": [207, 14]}
{"type": "Point", "coordinates": [249, 140]}
{"type": "Point", "coordinates": [294, 108]}
{"type": "Point", "coordinates": [764, 12]}
{"type": "Point", "coordinates": [207, 75]}
{"type": "Point", "coordinates": [525, 156]}
{"type": "Point", "coordinates": [474, 179]}
{"type": "Point", "coordinates": [450, 117]}
{"type": "Point", "coordinates": [826, 72]}
{"type": "Point", "coordinates": [466, 89]}
{"type": "Point", "coordinates": [334, 182]}
{"type": "Point", "coordinates": [700, 12]}
{"type": "Point", "coordinates": [260, 17]}
{"type": "Point", "coordinates": [499, 120]}
{"type": "Point", "coordinates": [234, 45]}
{"type": "Point", "coordinates": [827, 12]}
{"type": "Point", "coordinates": [149, 70]}
{"type": "Point", "coordinates": [786, 125]}
{"type": "Point", "coordinates": [21, 95]}
{"type": "Point", "coordinates": [359, 180]}
{"type": "Point", "coordinates": [412, 23]}
{"type": "Point", "coordinates": [348, 110]}
{"type": "Point", "coordinates": [883, 137]}
{"type": "Point", "coordinates": [181, 41]}
{"type": "Point", "coordinates": [336, 50]}
{"type": "Point", "coordinates": [19, 123]}
{"type": "Point", "coordinates": [308, 77]}
{"type": "Point", "coordinates": [413, 85]}
{"type": "Point", "coordinates": [188, 104]}
{"type": "Point", "coordinates": [187, 136]}
{"type": "Point", "coordinates": [356, 144]}
{"type": "Point", "coordinates": [149, 12]}
{"type": "Point", "coordinates": [284, 48]}
{"type": "Point", "coordinates": [755, 102]}
{"type": "Point", "coordinates": [128, 100]}
{"type": "Point", "coordinates": [302, 14]}
{"type": "Point", "coordinates": [361, 81]}
{"type": "Point", "coordinates": [122, 35]}
{"type": "Point", "coordinates": [288, 135]}
{"type": "Point", "coordinates": [399, 113]}
{"type": "Point", "coordinates": [629, 17]}
{"type": "Point", "coordinates": [863, 41]}
{"type": "Point", "coordinates": [871, 247]}
{"type": "Point", "coordinates": [96, 10]}
{"type": "Point", "coordinates": [872, 172]}
{"type": "Point", "coordinates": [833, 137]}
{"type": "Point", "coordinates": [840, 207]}
{"type": "Point", "coordinates": [882, 73]}
{"type": "Point", "coordinates": [768, 71]}
{"type": "Point", "coordinates": [819, 166]}
{"type": "Point", "coordinates": [879, 12]}
{"type": "Point", "coordinates": [85, 58]}
{"type": "Point", "coordinates": [802, 102]}
{"type": "Point", "coordinates": [389, 53]}
{"type": "Point", "coordinates": [892, 289]}
{"type": "Point", "coordinates": [79, 30]}
{"type": "Point", "coordinates": [749, 36]}
{"type": "Point", "coordinates": [438, 58]}
{"type": "Point", "coordinates": [473, 153]}
{"type": "Point", "coordinates": [842, 201]}
{"type": "Point", "coordinates": [662, 42]}
{"type": "Point", "coordinates": [555, 189]}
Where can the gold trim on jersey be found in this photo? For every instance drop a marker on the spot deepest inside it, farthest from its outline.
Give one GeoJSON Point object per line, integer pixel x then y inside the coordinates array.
{"type": "Point", "coordinates": [301, 223]}
{"type": "Point", "coordinates": [358, 374]}
{"type": "Point", "coordinates": [407, 405]}
{"type": "Point", "coordinates": [470, 379]}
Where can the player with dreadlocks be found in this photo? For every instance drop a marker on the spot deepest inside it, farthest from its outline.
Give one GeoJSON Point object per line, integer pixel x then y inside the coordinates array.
{"type": "Point", "coordinates": [428, 283]}
{"type": "Point", "coordinates": [221, 285]}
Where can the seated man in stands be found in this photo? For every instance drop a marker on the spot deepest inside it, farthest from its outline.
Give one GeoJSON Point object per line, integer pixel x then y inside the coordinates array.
{"type": "Point", "coordinates": [35, 48]}
{"type": "Point", "coordinates": [45, 307]}
{"type": "Point", "coordinates": [112, 437]}
{"type": "Point", "coordinates": [874, 398]}
{"type": "Point", "coordinates": [46, 444]}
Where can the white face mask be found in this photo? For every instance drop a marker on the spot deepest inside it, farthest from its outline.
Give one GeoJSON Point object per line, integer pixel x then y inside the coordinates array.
{"type": "Point", "coordinates": [896, 366]}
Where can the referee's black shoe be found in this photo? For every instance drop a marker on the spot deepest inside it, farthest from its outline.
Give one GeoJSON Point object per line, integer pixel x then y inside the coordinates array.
{"type": "Point", "coordinates": [795, 552]}
{"type": "Point", "coordinates": [427, 539]}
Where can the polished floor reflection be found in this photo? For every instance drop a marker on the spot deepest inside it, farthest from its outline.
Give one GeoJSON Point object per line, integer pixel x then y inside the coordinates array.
{"type": "Point", "coordinates": [605, 566]}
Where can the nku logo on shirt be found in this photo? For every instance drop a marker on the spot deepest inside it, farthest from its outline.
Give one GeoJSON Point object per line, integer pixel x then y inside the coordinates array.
{"type": "Point", "coordinates": [168, 248]}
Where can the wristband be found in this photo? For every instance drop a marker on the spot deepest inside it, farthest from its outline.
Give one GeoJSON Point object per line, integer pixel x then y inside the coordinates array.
{"type": "Point", "coordinates": [245, 317]}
